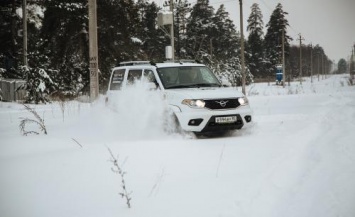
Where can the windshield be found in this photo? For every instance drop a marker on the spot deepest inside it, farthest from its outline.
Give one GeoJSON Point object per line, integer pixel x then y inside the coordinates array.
{"type": "Point", "coordinates": [187, 77]}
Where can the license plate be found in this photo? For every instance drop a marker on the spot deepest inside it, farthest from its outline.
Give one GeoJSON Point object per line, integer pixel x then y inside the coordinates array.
{"type": "Point", "coordinates": [227, 119]}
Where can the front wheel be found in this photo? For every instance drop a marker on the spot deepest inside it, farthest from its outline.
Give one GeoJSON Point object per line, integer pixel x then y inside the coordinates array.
{"type": "Point", "coordinates": [172, 124]}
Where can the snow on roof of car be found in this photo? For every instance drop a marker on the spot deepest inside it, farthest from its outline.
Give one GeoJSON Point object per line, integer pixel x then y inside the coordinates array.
{"type": "Point", "coordinates": [147, 64]}
{"type": "Point", "coordinates": [171, 64]}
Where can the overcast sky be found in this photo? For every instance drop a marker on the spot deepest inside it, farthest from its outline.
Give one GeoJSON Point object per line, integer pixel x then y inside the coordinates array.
{"type": "Point", "coordinates": [329, 23]}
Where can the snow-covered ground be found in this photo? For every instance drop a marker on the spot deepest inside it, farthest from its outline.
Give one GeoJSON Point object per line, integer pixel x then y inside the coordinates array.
{"type": "Point", "coordinates": [298, 159]}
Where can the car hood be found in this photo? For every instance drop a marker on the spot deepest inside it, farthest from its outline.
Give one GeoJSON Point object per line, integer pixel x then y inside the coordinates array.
{"type": "Point", "coordinates": [203, 93]}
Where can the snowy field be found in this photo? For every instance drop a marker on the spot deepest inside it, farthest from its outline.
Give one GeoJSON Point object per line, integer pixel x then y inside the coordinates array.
{"type": "Point", "coordinates": [297, 160]}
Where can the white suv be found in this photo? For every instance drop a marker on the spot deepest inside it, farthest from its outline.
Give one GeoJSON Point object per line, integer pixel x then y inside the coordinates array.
{"type": "Point", "coordinates": [194, 94]}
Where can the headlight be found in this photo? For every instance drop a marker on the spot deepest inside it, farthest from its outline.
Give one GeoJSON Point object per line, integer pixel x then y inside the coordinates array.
{"type": "Point", "coordinates": [243, 100]}
{"type": "Point", "coordinates": [194, 103]}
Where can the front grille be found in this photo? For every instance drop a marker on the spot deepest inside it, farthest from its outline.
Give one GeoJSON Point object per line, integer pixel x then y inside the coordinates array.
{"type": "Point", "coordinates": [222, 103]}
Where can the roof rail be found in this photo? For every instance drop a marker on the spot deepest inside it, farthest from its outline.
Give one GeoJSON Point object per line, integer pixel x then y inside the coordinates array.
{"type": "Point", "coordinates": [180, 61]}
{"type": "Point", "coordinates": [133, 63]}
{"type": "Point", "coordinates": [187, 61]}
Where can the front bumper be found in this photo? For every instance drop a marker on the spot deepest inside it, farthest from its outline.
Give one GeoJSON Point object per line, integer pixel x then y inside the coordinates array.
{"type": "Point", "coordinates": [204, 120]}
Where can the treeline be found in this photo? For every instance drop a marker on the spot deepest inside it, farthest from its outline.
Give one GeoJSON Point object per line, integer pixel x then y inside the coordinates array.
{"type": "Point", "coordinates": [314, 61]}
{"type": "Point", "coordinates": [127, 30]}
{"type": "Point", "coordinates": [264, 51]}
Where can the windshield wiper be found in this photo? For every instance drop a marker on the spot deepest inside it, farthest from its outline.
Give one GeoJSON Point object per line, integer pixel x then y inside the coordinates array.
{"type": "Point", "coordinates": [180, 86]}
{"type": "Point", "coordinates": [194, 85]}
{"type": "Point", "coordinates": [208, 85]}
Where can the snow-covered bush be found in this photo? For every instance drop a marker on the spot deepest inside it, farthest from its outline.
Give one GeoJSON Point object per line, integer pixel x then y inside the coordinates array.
{"type": "Point", "coordinates": [2, 71]}
{"type": "Point", "coordinates": [38, 85]}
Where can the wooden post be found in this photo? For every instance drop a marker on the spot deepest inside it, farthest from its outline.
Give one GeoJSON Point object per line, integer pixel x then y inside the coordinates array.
{"type": "Point", "coordinates": [283, 59]}
{"type": "Point", "coordinates": [94, 75]}
{"type": "Point", "coordinates": [172, 38]}
{"type": "Point", "coordinates": [242, 45]}
{"type": "Point", "coordinates": [24, 21]}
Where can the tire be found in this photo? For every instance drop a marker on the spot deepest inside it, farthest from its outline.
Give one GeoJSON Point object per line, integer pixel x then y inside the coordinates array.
{"type": "Point", "coordinates": [172, 124]}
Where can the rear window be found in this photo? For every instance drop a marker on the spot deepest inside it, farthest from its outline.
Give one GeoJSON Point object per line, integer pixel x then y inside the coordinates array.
{"type": "Point", "coordinates": [117, 79]}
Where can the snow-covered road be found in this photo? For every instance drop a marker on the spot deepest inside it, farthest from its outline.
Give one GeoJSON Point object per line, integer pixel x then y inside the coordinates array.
{"type": "Point", "coordinates": [296, 160]}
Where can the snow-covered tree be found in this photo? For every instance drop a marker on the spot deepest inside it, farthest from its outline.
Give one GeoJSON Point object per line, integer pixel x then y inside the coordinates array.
{"type": "Point", "coordinates": [9, 49]}
{"type": "Point", "coordinates": [153, 39]}
{"type": "Point", "coordinates": [64, 43]}
{"type": "Point", "coordinates": [273, 38]}
{"type": "Point", "coordinates": [225, 41]}
{"type": "Point", "coordinates": [118, 37]}
{"type": "Point", "coordinates": [255, 49]}
{"type": "Point", "coordinates": [225, 48]}
{"type": "Point", "coordinates": [199, 30]}
{"type": "Point", "coordinates": [342, 66]}
{"type": "Point", "coordinates": [181, 14]}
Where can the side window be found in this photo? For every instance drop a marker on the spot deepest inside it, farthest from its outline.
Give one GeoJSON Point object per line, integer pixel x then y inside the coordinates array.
{"type": "Point", "coordinates": [117, 79]}
{"type": "Point", "coordinates": [134, 75]}
{"type": "Point", "coordinates": [149, 75]}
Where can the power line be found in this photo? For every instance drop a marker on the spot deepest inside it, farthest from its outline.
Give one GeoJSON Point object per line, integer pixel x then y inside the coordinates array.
{"type": "Point", "coordinates": [266, 5]}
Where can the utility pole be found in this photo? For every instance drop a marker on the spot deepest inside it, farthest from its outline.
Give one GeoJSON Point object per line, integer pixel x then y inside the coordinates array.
{"type": "Point", "coordinates": [311, 63]}
{"type": "Point", "coordinates": [24, 21]}
{"type": "Point", "coordinates": [94, 69]}
{"type": "Point", "coordinates": [353, 63]}
{"type": "Point", "coordinates": [171, 23]}
{"type": "Point", "coordinates": [318, 64]}
{"type": "Point", "coordinates": [349, 63]}
{"type": "Point", "coordinates": [300, 39]}
{"type": "Point", "coordinates": [172, 31]}
{"type": "Point", "coordinates": [242, 45]}
{"type": "Point", "coordinates": [322, 66]}
{"type": "Point", "coordinates": [283, 59]}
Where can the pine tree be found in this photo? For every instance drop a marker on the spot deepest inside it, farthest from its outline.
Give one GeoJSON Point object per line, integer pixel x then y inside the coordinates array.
{"type": "Point", "coordinates": [118, 38]}
{"type": "Point", "coordinates": [224, 47]}
{"type": "Point", "coordinates": [225, 40]}
{"type": "Point", "coordinates": [273, 38]}
{"type": "Point", "coordinates": [65, 42]}
{"type": "Point", "coordinates": [199, 30]}
{"type": "Point", "coordinates": [182, 9]}
{"type": "Point", "coordinates": [11, 49]}
{"type": "Point", "coordinates": [342, 66]}
{"type": "Point", "coordinates": [255, 56]}
{"type": "Point", "coordinates": [153, 39]}
{"type": "Point", "coordinates": [62, 26]}
{"type": "Point", "coordinates": [8, 37]}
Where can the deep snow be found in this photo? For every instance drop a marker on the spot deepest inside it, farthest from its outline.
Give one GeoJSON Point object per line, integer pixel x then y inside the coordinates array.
{"type": "Point", "coordinates": [296, 160]}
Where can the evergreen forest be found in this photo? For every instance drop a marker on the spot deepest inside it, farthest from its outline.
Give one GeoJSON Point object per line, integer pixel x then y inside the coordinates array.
{"type": "Point", "coordinates": [58, 52]}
